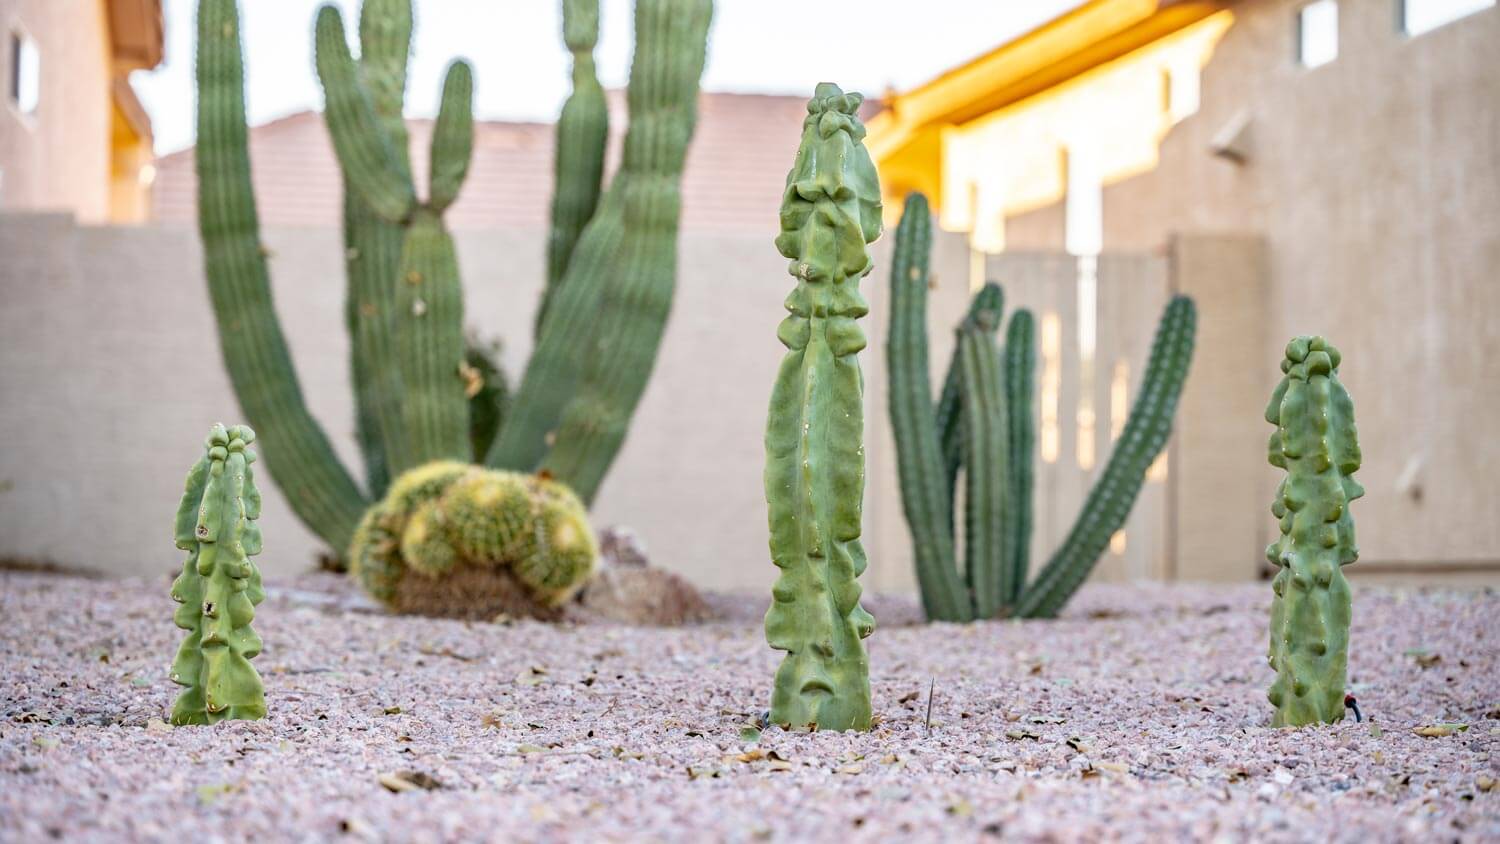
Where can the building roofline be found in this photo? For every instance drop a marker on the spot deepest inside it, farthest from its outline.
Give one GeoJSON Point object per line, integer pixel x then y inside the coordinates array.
{"type": "Point", "coordinates": [135, 33]}
{"type": "Point", "coordinates": [1092, 34]}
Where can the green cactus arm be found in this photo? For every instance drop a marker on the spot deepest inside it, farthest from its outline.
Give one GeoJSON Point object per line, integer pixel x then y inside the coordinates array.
{"type": "Point", "coordinates": [366, 155]}
{"type": "Point", "coordinates": [1020, 387]}
{"type": "Point", "coordinates": [317, 487]}
{"type": "Point", "coordinates": [578, 161]}
{"type": "Point", "coordinates": [985, 308]}
{"type": "Point", "coordinates": [1317, 444]}
{"type": "Point", "coordinates": [430, 347]}
{"type": "Point", "coordinates": [372, 250]}
{"type": "Point", "coordinates": [1109, 502]}
{"type": "Point", "coordinates": [452, 136]}
{"type": "Point", "coordinates": [219, 587]}
{"type": "Point", "coordinates": [926, 492]}
{"type": "Point", "coordinates": [814, 434]}
{"type": "Point", "coordinates": [605, 320]}
{"type": "Point", "coordinates": [987, 518]}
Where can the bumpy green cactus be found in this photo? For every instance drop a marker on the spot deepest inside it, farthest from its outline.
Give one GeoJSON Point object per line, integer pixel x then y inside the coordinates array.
{"type": "Point", "coordinates": [1316, 443]}
{"type": "Point", "coordinates": [458, 540]}
{"type": "Point", "coordinates": [983, 418]}
{"type": "Point", "coordinates": [605, 321]}
{"type": "Point", "coordinates": [219, 585]}
{"type": "Point", "coordinates": [610, 280]}
{"type": "Point", "coordinates": [815, 466]}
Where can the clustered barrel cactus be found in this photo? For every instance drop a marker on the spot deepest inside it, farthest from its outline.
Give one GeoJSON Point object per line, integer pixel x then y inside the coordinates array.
{"type": "Point", "coordinates": [611, 260]}
{"type": "Point", "coordinates": [983, 421]}
{"type": "Point", "coordinates": [815, 465]}
{"type": "Point", "coordinates": [219, 585]}
{"type": "Point", "coordinates": [452, 539]}
{"type": "Point", "coordinates": [1316, 443]}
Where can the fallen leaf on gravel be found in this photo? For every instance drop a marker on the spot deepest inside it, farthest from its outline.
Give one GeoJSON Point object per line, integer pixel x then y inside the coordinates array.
{"type": "Point", "coordinates": [157, 725]}
{"type": "Point", "coordinates": [1078, 746]}
{"type": "Point", "coordinates": [622, 753]}
{"type": "Point", "coordinates": [391, 710]}
{"type": "Point", "coordinates": [1115, 767]}
{"type": "Point", "coordinates": [531, 748]}
{"type": "Point", "coordinates": [749, 733]}
{"type": "Point", "coordinates": [703, 772]}
{"type": "Point", "coordinates": [1424, 658]}
{"type": "Point", "coordinates": [209, 793]}
{"type": "Point", "coordinates": [44, 742]}
{"type": "Point", "coordinates": [531, 676]}
{"type": "Point", "coordinates": [1440, 730]}
{"type": "Point", "coordinates": [400, 781]}
{"type": "Point", "coordinates": [908, 697]}
{"type": "Point", "coordinates": [753, 755]}
{"type": "Point", "coordinates": [1375, 731]}
{"type": "Point", "coordinates": [1021, 734]}
{"type": "Point", "coordinates": [850, 769]}
{"type": "Point", "coordinates": [1485, 783]}
{"type": "Point", "coordinates": [961, 808]}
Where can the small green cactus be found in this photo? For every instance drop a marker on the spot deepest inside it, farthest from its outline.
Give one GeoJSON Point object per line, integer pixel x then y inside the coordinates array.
{"type": "Point", "coordinates": [219, 585]}
{"type": "Point", "coordinates": [815, 461]}
{"type": "Point", "coordinates": [457, 540]}
{"type": "Point", "coordinates": [1316, 443]}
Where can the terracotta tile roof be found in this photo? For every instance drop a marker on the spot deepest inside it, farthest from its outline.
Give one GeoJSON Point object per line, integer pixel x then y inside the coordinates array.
{"type": "Point", "coordinates": [736, 168]}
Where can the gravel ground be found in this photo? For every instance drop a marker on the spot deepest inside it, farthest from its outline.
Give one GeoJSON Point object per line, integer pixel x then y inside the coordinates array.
{"type": "Point", "coordinates": [1139, 716]}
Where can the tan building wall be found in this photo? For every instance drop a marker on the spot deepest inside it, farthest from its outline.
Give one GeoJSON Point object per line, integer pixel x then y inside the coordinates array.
{"type": "Point", "coordinates": [1374, 183]}
{"type": "Point", "coordinates": [84, 147]}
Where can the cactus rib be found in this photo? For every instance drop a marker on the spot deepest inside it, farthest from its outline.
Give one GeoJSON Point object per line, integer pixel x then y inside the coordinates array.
{"type": "Point", "coordinates": [986, 308]}
{"type": "Point", "coordinates": [986, 510]}
{"type": "Point", "coordinates": [1020, 374]}
{"type": "Point", "coordinates": [1109, 501]}
{"type": "Point", "coordinates": [926, 495]}
{"type": "Point", "coordinates": [814, 474]}
{"type": "Point", "coordinates": [317, 487]}
{"type": "Point", "coordinates": [1316, 443]}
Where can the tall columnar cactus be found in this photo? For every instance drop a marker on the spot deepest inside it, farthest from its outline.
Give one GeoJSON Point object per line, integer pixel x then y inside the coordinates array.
{"type": "Point", "coordinates": [1316, 443]}
{"type": "Point", "coordinates": [983, 420]}
{"type": "Point", "coordinates": [219, 585]}
{"type": "Point", "coordinates": [815, 466]}
{"type": "Point", "coordinates": [611, 261]}
{"type": "Point", "coordinates": [605, 321]}
{"type": "Point", "coordinates": [458, 540]}
{"type": "Point", "coordinates": [582, 129]}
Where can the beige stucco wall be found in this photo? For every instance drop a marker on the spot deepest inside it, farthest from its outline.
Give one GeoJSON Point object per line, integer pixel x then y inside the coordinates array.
{"type": "Point", "coordinates": [1374, 184]}
{"type": "Point", "coordinates": [112, 375]}
{"type": "Point", "coordinates": [59, 157]}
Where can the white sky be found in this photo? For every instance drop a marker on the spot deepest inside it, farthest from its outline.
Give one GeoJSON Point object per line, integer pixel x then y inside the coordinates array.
{"type": "Point", "coordinates": [521, 68]}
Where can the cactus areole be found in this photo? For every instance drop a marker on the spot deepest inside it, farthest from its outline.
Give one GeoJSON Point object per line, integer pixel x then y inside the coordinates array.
{"type": "Point", "coordinates": [815, 459]}
{"type": "Point", "coordinates": [1316, 443]}
{"type": "Point", "coordinates": [219, 585]}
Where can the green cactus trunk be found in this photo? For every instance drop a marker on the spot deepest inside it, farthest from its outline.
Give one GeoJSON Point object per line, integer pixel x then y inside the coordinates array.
{"type": "Point", "coordinates": [582, 133]}
{"type": "Point", "coordinates": [320, 491]}
{"type": "Point", "coordinates": [986, 308]}
{"type": "Point", "coordinates": [372, 248]}
{"type": "Point", "coordinates": [926, 491]}
{"type": "Point", "coordinates": [1141, 440]}
{"type": "Point", "coordinates": [815, 466]}
{"type": "Point", "coordinates": [663, 99]}
{"type": "Point", "coordinates": [1317, 444]}
{"type": "Point", "coordinates": [1020, 386]}
{"type": "Point", "coordinates": [987, 519]}
{"type": "Point", "coordinates": [219, 585]}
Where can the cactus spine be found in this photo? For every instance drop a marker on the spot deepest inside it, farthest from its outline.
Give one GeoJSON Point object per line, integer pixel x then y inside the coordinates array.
{"type": "Point", "coordinates": [1316, 443]}
{"type": "Point", "coordinates": [815, 466]}
{"type": "Point", "coordinates": [582, 132]}
{"type": "Point", "coordinates": [983, 420]}
{"type": "Point", "coordinates": [219, 585]}
{"type": "Point", "coordinates": [604, 321]}
{"type": "Point", "coordinates": [404, 308]}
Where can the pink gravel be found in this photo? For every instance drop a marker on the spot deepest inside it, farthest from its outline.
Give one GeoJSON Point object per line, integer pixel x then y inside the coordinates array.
{"type": "Point", "coordinates": [1140, 716]}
